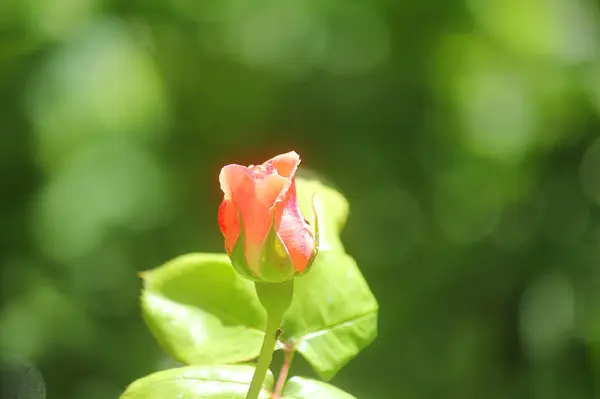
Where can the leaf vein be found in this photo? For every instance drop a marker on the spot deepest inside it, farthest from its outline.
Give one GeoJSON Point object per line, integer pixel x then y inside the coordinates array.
{"type": "Point", "coordinates": [312, 334]}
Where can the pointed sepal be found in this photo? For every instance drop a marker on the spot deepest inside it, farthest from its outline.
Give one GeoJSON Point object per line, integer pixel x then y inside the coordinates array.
{"type": "Point", "coordinates": [315, 226]}
{"type": "Point", "coordinates": [238, 254]}
{"type": "Point", "coordinates": [276, 263]}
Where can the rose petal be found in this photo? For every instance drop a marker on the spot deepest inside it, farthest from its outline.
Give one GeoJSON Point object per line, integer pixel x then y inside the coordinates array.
{"type": "Point", "coordinates": [230, 178]}
{"type": "Point", "coordinates": [293, 230]}
{"type": "Point", "coordinates": [267, 188]}
{"type": "Point", "coordinates": [286, 164]}
{"type": "Point", "coordinates": [229, 224]}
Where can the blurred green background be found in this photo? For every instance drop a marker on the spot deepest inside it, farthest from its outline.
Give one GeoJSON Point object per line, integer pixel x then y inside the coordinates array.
{"type": "Point", "coordinates": [463, 133]}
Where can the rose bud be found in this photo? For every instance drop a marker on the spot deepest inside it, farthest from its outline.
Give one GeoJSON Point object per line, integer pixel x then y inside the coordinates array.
{"type": "Point", "coordinates": [266, 236]}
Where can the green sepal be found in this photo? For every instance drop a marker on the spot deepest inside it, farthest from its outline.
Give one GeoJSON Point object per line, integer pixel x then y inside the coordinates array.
{"type": "Point", "coordinates": [276, 263]}
{"type": "Point", "coordinates": [238, 254]}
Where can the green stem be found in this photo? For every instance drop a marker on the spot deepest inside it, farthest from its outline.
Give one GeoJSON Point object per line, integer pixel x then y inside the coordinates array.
{"type": "Point", "coordinates": [276, 299]}
{"type": "Point", "coordinates": [265, 357]}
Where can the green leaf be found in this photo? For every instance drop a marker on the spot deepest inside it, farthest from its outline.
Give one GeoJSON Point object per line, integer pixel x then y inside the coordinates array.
{"type": "Point", "coordinates": [304, 388]}
{"type": "Point", "coordinates": [197, 382]}
{"type": "Point", "coordinates": [333, 315]}
{"type": "Point", "coordinates": [202, 312]}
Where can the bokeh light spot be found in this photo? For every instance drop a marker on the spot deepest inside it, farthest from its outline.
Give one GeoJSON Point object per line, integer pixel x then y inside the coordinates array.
{"type": "Point", "coordinates": [547, 315]}
{"type": "Point", "coordinates": [113, 184]}
{"type": "Point", "coordinates": [566, 30]}
{"type": "Point", "coordinates": [99, 84]}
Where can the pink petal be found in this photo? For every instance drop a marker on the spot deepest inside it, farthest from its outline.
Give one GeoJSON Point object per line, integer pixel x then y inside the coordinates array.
{"type": "Point", "coordinates": [294, 231]}
{"type": "Point", "coordinates": [231, 177]}
{"type": "Point", "coordinates": [286, 164]}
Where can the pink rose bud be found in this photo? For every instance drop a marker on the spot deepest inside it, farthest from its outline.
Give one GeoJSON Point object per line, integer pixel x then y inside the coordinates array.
{"type": "Point", "coordinates": [266, 235]}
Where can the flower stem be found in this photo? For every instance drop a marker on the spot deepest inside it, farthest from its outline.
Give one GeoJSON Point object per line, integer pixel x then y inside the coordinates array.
{"type": "Point", "coordinates": [265, 357]}
{"type": "Point", "coordinates": [276, 299]}
{"type": "Point", "coordinates": [288, 356]}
